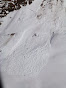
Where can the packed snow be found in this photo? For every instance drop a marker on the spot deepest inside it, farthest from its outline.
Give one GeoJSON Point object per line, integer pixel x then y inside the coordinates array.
{"type": "Point", "coordinates": [33, 46]}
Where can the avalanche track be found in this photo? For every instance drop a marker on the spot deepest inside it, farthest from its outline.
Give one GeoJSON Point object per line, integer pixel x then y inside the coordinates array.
{"type": "Point", "coordinates": [33, 46]}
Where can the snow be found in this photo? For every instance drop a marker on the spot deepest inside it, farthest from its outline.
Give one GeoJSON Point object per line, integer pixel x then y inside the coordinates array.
{"type": "Point", "coordinates": [35, 56]}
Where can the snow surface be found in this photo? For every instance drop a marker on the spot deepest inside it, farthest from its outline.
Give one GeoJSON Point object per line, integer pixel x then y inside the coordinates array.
{"type": "Point", "coordinates": [35, 56]}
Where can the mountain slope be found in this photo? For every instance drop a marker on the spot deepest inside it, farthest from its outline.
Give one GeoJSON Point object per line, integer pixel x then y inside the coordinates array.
{"type": "Point", "coordinates": [33, 46]}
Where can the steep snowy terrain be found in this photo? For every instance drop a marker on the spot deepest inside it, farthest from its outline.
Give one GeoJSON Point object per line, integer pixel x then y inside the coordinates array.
{"type": "Point", "coordinates": [33, 46]}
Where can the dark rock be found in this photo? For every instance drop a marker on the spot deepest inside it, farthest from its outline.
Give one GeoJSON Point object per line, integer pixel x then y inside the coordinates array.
{"type": "Point", "coordinates": [17, 6]}
{"type": "Point", "coordinates": [11, 7]}
{"type": "Point", "coordinates": [30, 2]}
{"type": "Point", "coordinates": [24, 3]}
{"type": "Point", "coordinates": [0, 23]}
{"type": "Point", "coordinates": [35, 34]}
{"type": "Point", "coordinates": [12, 34]}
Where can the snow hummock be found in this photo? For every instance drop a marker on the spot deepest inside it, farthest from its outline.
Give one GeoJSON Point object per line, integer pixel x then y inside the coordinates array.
{"type": "Point", "coordinates": [38, 47]}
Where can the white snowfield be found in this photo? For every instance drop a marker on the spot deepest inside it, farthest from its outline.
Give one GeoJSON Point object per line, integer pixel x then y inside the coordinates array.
{"type": "Point", "coordinates": [33, 46]}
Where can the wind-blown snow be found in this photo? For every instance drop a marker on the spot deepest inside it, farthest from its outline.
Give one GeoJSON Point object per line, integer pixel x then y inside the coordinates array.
{"type": "Point", "coordinates": [37, 50]}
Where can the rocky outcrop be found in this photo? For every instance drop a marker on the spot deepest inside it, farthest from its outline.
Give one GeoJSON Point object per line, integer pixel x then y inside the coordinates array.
{"type": "Point", "coordinates": [9, 5]}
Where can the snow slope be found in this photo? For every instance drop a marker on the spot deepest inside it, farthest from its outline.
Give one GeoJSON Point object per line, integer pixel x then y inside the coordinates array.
{"type": "Point", "coordinates": [34, 56]}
